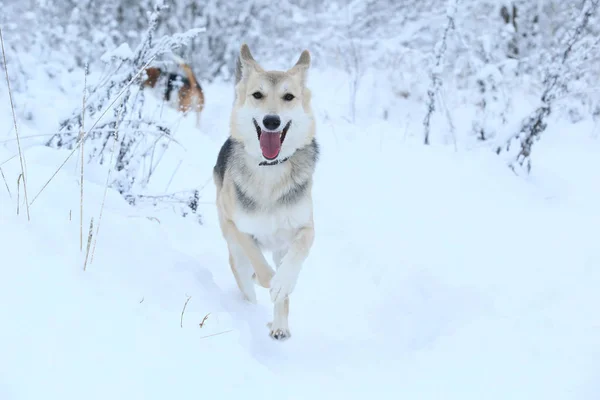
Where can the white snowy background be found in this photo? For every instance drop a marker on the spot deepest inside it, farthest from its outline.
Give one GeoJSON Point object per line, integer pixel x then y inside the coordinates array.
{"type": "Point", "coordinates": [445, 270]}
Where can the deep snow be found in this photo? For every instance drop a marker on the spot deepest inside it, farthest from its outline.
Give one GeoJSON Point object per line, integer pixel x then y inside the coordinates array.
{"type": "Point", "coordinates": [435, 274]}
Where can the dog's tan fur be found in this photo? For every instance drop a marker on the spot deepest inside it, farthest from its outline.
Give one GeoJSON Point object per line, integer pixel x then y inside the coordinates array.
{"type": "Point", "coordinates": [189, 98]}
{"type": "Point", "coordinates": [268, 207]}
{"type": "Point", "coordinates": [152, 74]}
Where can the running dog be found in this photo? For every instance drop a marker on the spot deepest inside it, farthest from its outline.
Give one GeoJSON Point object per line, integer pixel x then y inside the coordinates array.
{"type": "Point", "coordinates": [264, 177]}
{"type": "Point", "coordinates": [190, 95]}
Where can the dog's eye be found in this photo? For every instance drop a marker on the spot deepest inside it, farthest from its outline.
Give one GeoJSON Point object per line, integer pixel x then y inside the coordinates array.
{"type": "Point", "coordinates": [288, 97]}
{"type": "Point", "coordinates": [257, 95]}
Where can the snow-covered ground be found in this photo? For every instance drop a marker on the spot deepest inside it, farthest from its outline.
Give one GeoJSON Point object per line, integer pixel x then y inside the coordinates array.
{"type": "Point", "coordinates": [435, 273]}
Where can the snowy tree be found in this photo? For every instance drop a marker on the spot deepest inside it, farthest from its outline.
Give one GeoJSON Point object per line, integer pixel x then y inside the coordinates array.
{"type": "Point", "coordinates": [557, 77]}
{"type": "Point", "coordinates": [438, 65]}
{"type": "Point", "coordinates": [438, 54]}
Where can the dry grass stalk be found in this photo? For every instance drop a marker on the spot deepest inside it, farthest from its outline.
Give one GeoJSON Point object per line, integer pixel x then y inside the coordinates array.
{"type": "Point", "coordinates": [112, 154]}
{"type": "Point", "coordinates": [18, 191]}
{"type": "Point", "coordinates": [12, 106]}
{"type": "Point", "coordinates": [81, 141]}
{"type": "Point", "coordinates": [26, 137]}
{"type": "Point", "coordinates": [6, 183]}
{"type": "Point", "coordinates": [89, 242]}
{"type": "Point", "coordinates": [204, 320]}
{"type": "Point", "coordinates": [183, 311]}
{"type": "Point", "coordinates": [216, 334]}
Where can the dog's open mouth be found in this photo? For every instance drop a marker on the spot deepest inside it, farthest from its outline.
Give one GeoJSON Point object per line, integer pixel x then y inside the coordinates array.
{"type": "Point", "coordinates": [270, 142]}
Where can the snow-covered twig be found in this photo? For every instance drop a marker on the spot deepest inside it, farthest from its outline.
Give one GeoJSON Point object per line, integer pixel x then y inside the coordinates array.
{"type": "Point", "coordinates": [112, 153]}
{"type": "Point", "coordinates": [449, 118]}
{"type": "Point", "coordinates": [436, 71]}
{"type": "Point", "coordinates": [555, 82]}
{"type": "Point", "coordinates": [187, 201]}
{"type": "Point", "coordinates": [82, 130]}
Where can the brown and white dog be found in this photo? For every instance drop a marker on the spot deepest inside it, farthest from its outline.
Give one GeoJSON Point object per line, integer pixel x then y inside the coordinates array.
{"type": "Point", "coordinates": [264, 177]}
{"type": "Point", "coordinates": [190, 96]}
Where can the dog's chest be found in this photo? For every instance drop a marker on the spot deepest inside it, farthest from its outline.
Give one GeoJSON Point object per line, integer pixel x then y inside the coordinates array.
{"type": "Point", "coordinates": [277, 228]}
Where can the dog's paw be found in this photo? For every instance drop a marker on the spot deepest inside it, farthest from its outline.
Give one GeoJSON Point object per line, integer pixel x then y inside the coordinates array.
{"type": "Point", "coordinates": [282, 285]}
{"type": "Point", "coordinates": [279, 334]}
{"type": "Point", "coordinates": [264, 284]}
{"type": "Point", "coordinates": [264, 281]}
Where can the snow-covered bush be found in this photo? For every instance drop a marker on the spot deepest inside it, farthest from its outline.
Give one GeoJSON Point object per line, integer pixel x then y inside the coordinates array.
{"type": "Point", "coordinates": [114, 120]}
{"type": "Point", "coordinates": [559, 73]}
{"type": "Point", "coordinates": [497, 51]}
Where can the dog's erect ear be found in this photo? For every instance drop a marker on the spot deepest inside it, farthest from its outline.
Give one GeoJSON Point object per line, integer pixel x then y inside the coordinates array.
{"type": "Point", "coordinates": [301, 65]}
{"type": "Point", "coordinates": [245, 63]}
{"type": "Point", "coordinates": [304, 60]}
{"type": "Point", "coordinates": [246, 55]}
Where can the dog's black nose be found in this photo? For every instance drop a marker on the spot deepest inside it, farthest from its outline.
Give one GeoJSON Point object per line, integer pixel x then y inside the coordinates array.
{"type": "Point", "coordinates": [271, 122]}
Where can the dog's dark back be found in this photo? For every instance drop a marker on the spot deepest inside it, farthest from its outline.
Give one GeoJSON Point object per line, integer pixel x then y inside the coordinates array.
{"type": "Point", "coordinates": [173, 77]}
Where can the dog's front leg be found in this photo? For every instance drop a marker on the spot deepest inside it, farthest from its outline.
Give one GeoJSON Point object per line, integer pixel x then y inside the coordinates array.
{"type": "Point", "coordinates": [263, 271]}
{"type": "Point", "coordinates": [285, 278]}
{"type": "Point", "coordinates": [284, 281]}
{"type": "Point", "coordinates": [279, 327]}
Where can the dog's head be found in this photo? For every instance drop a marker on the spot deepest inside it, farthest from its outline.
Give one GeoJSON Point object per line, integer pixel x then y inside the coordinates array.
{"type": "Point", "coordinates": [272, 116]}
{"type": "Point", "coordinates": [152, 75]}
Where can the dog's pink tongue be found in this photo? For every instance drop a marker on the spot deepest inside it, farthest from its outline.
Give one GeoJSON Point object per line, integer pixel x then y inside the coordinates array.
{"type": "Point", "coordinates": [270, 144]}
